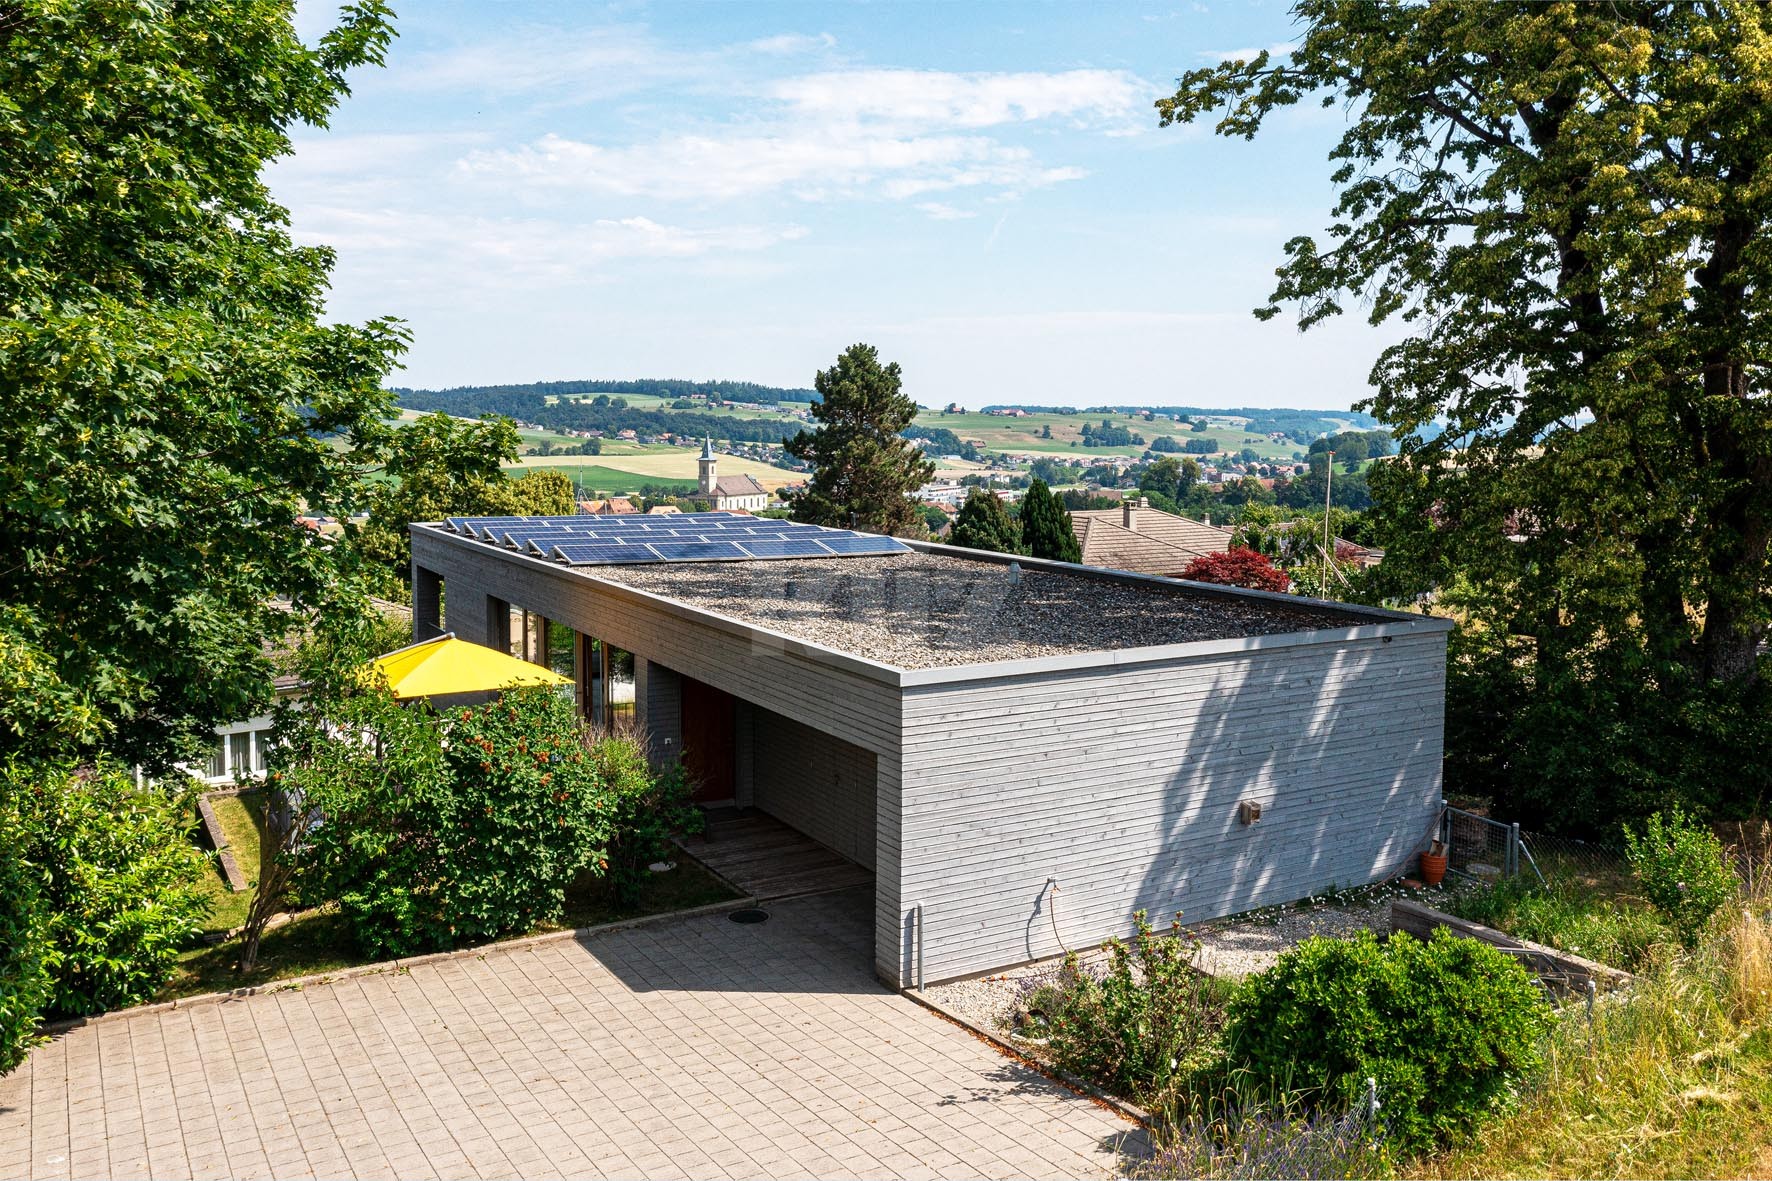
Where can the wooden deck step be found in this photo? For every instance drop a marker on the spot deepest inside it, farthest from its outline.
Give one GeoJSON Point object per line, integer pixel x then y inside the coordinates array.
{"type": "Point", "coordinates": [768, 860]}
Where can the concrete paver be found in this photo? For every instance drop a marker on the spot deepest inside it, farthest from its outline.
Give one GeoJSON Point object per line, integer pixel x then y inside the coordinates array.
{"type": "Point", "coordinates": [694, 1048]}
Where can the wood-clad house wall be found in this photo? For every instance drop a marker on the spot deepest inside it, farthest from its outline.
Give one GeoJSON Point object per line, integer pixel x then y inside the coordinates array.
{"type": "Point", "coordinates": [1041, 812]}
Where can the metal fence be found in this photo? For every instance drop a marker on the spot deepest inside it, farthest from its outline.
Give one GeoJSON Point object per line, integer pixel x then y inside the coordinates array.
{"type": "Point", "coordinates": [1480, 847]}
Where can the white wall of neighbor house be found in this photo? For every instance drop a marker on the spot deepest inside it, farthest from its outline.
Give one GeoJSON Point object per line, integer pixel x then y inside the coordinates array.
{"type": "Point", "coordinates": [1041, 811]}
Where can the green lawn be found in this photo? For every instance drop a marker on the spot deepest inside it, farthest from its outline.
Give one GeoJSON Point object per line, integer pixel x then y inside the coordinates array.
{"type": "Point", "coordinates": [607, 479]}
{"type": "Point", "coordinates": [240, 817]}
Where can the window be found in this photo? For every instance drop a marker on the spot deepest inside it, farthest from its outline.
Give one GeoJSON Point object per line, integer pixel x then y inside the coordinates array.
{"type": "Point", "coordinates": [217, 765]}
{"type": "Point", "coordinates": [240, 754]}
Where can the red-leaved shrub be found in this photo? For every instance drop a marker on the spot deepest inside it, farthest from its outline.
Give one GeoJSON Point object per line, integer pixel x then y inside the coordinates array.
{"type": "Point", "coordinates": [1239, 567]}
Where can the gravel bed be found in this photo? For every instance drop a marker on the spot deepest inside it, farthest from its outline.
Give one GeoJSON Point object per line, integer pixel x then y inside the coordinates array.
{"type": "Point", "coordinates": [1234, 947]}
{"type": "Point", "coordinates": [930, 610]}
{"type": "Point", "coordinates": [1240, 949]}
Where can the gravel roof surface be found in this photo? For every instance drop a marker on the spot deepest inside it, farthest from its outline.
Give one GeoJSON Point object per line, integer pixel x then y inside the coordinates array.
{"type": "Point", "coordinates": [922, 610]}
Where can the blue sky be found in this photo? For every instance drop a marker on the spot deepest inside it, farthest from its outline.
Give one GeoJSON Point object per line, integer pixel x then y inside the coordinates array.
{"type": "Point", "coordinates": [741, 190]}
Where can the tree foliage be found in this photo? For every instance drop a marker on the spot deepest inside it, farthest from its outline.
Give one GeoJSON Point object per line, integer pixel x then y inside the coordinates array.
{"type": "Point", "coordinates": [170, 398]}
{"type": "Point", "coordinates": [1567, 205]}
{"type": "Point", "coordinates": [1046, 526]}
{"type": "Point", "coordinates": [120, 881]}
{"type": "Point", "coordinates": [1238, 567]}
{"type": "Point", "coordinates": [983, 523]}
{"type": "Point", "coordinates": [864, 473]}
{"type": "Point", "coordinates": [439, 467]}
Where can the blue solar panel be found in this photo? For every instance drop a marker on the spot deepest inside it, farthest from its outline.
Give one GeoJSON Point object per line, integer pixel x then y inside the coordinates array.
{"type": "Point", "coordinates": [860, 544]}
{"type": "Point", "coordinates": [696, 551]}
{"type": "Point", "coordinates": [589, 539]}
{"type": "Point", "coordinates": [608, 554]}
{"type": "Point", "coordinates": [762, 548]}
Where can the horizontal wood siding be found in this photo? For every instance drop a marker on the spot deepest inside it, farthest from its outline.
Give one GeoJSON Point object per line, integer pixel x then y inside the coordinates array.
{"type": "Point", "coordinates": [820, 785]}
{"type": "Point", "coordinates": [1120, 789]}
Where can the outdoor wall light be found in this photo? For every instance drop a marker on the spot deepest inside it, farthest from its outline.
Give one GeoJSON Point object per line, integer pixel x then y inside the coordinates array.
{"type": "Point", "coordinates": [1249, 811]}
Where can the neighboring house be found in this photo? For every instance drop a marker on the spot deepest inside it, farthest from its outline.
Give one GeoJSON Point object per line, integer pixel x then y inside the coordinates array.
{"type": "Point", "coordinates": [728, 492]}
{"type": "Point", "coordinates": [1022, 753]}
{"type": "Point", "coordinates": [240, 748]}
{"type": "Point", "coordinates": [615, 506]}
{"type": "Point", "coordinates": [1143, 539]}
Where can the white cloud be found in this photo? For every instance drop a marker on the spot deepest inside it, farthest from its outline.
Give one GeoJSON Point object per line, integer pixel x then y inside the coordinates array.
{"type": "Point", "coordinates": [940, 211]}
{"type": "Point", "coordinates": [813, 163]}
{"type": "Point", "coordinates": [1281, 49]}
{"type": "Point", "coordinates": [508, 251]}
{"type": "Point", "coordinates": [935, 98]}
{"type": "Point", "coordinates": [897, 134]}
{"type": "Point", "coordinates": [788, 44]}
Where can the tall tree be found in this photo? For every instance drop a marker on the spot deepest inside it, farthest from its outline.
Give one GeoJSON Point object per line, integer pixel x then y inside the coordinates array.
{"type": "Point", "coordinates": [1046, 526]}
{"type": "Point", "coordinates": [170, 397]}
{"type": "Point", "coordinates": [1567, 204]}
{"type": "Point", "coordinates": [863, 473]}
{"type": "Point", "coordinates": [440, 467]}
{"type": "Point", "coordinates": [983, 523]}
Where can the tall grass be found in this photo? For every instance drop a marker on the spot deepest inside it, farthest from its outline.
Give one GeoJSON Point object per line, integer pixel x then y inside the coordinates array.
{"type": "Point", "coordinates": [1670, 1077]}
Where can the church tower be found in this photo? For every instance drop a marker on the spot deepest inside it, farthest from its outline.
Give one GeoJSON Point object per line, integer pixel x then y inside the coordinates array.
{"type": "Point", "coordinates": [708, 479]}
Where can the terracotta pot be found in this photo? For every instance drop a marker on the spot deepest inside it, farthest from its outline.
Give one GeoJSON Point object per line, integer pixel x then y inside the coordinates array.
{"type": "Point", "coordinates": [1433, 868]}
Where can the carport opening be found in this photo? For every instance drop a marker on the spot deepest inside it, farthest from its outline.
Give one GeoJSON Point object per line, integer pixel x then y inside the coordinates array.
{"type": "Point", "coordinates": [790, 809]}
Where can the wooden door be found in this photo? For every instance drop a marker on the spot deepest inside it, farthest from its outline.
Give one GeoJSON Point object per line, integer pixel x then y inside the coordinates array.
{"type": "Point", "coordinates": [710, 741]}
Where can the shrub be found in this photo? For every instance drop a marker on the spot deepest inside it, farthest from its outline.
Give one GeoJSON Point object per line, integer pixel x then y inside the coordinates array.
{"type": "Point", "coordinates": [1682, 870]}
{"type": "Point", "coordinates": [1447, 1028]}
{"type": "Point", "coordinates": [1134, 1027]}
{"type": "Point", "coordinates": [122, 883]}
{"type": "Point", "coordinates": [433, 831]}
{"type": "Point", "coordinates": [24, 938]}
{"type": "Point", "coordinates": [648, 808]}
{"type": "Point", "coordinates": [1238, 567]}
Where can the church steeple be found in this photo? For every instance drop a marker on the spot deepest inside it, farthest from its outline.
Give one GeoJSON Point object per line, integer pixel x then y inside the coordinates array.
{"type": "Point", "coordinates": [708, 479]}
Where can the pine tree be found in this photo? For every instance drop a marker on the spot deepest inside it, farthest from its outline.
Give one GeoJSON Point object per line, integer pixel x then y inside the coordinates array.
{"type": "Point", "coordinates": [864, 473]}
{"type": "Point", "coordinates": [983, 523]}
{"type": "Point", "coordinates": [1046, 526]}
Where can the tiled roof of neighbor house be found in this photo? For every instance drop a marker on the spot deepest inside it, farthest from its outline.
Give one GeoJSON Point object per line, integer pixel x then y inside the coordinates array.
{"type": "Point", "coordinates": [615, 505]}
{"type": "Point", "coordinates": [1161, 543]}
{"type": "Point", "coordinates": [926, 610]}
{"type": "Point", "coordinates": [739, 485]}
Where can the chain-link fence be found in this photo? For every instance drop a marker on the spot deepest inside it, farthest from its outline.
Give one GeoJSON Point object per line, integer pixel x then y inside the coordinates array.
{"type": "Point", "coordinates": [1595, 865]}
{"type": "Point", "coordinates": [1487, 849]}
{"type": "Point", "coordinates": [1479, 847]}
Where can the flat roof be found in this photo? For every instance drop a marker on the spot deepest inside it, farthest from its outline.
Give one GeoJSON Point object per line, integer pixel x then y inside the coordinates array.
{"type": "Point", "coordinates": [935, 610]}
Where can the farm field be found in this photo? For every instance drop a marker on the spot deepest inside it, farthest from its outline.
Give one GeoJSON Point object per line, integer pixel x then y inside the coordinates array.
{"type": "Point", "coordinates": [653, 402]}
{"type": "Point", "coordinates": [652, 466]}
{"type": "Point", "coordinates": [997, 433]}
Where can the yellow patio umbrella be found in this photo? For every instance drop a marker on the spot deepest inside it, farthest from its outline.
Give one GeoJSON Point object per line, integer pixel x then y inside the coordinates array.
{"type": "Point", "coordinates": [446, 666]}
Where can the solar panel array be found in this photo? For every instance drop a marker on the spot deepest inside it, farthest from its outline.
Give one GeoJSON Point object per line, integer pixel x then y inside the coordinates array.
{"type": "Point", "coordinates": [670, 537]}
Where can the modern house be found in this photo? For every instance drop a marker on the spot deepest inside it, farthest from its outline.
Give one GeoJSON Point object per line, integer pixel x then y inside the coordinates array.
{"type": "Point", "coordinates": [1143, 539]}
{"type": "Point", "coordinates": [1023, 753]}
{"type": "Point", "coordinates": [726, 493]}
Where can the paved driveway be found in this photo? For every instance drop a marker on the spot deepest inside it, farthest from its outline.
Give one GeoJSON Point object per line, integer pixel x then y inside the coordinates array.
{"type": "Point", "coordinates": [692, 1048]}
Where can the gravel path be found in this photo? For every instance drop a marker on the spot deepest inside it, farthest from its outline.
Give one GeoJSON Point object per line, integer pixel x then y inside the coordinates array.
{"type": "Point", "coordinates": [930, 610]}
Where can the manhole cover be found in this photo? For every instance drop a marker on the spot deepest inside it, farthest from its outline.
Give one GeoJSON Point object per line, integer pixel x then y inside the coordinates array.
{"type": "Point", "coordinates": [748, 915]}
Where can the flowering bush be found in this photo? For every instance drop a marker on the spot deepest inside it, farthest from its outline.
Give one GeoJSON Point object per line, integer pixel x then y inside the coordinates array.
{"type": "Point", "coordinates": [437, 830]}
{"type": "Point", "coordinates": [1238, 567]}
{"type": "Point", "coordinates": [1682, 870]}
